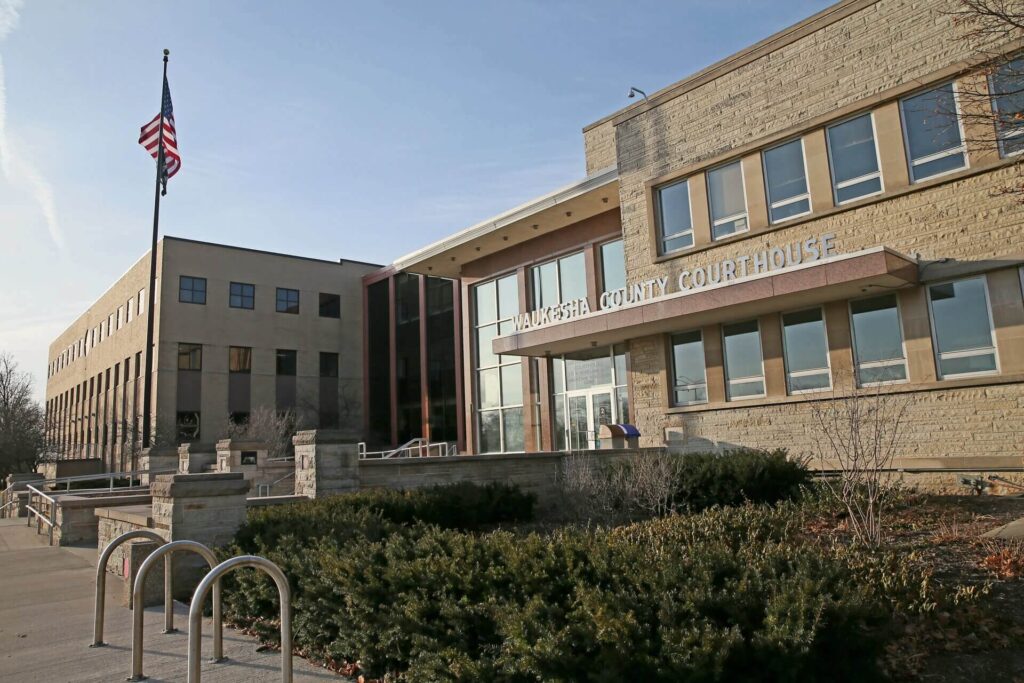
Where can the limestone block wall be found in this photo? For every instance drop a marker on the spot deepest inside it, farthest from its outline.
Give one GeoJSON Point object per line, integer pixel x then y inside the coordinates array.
{"type": "Point", "coordinates": [326, 463]}
{"type": "Point", "coordinates": [194, 458]}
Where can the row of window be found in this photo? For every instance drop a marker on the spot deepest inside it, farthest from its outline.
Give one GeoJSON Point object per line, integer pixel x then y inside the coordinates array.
{"type": "Point", "coordinates": [933, 139]}
{"type": "Point", "coordinates": [190, 357]}
{"type": "Point", "coordinates": [192, 290]}
{"type": "Point", "coordinates": [962, 331]}
{"type": "Point", "coordinates": [134, 307]}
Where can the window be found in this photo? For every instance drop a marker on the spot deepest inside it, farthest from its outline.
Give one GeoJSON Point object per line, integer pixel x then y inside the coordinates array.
{"type": "Point", "coordinates": [128, 307]}
{"type": "Point", "coordinates": [727, 200]}
{"type": "Point", "coordinates": [240, 359]}
{"type": "Point", "coordinates": [330, 305]}
{"type": "Point", "coordinates": [120, 316]}
{"type": "Point", "coordinates": [188, 426]}
{"type": "Point", "coordinates": [785, 178]}
{"type": "Point", "coordinates": [238, 418]}
{"type": "Point", "coordinates": [110, 325]}
{"type": "Point", "coordinates": [328, 364]}
{"type": "Point", "coordinates": [287, 362]}
{"type": "Point", "coordinates": [1006, 86]}
{"type": "Point", "coordinates": [190, 356]}
{"type": "Point", "coordinates": [192, 290]}
{"type": "Point", "coordinates": [559, 281]}
{"type": "Point", "coordinates": [878, 340]}
{"type": "Point", "coordinates": [805, 348]}
{"type": "Point", "coordinates": [141, 307]}
{"type": "Point", "coordinates": [287, 300]}
{"type": "Point", "coordinates": [613, 266]}
{"type": "Point", "coordinates": [499, 382]}
{"type": "Point", "coordinates": [931, 129]}
{"type": "Point", "coordinates": [242, 295]}
{"type": "Point", "coordinates": [853, 159]}
{"type": "Point", "coordinates": [690, 383]}
{"type": "Point", "coordinates": [672, 214]}
{"type": "Point", "coordinates": [744, 369]}
{"type": "Point", "coordinates": [962, 325]}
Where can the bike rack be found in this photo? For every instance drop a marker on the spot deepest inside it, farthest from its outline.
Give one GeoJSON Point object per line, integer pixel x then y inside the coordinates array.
{"type": "Point", "coordinates": [166, 551]}
{"type": "Point", "coordinates": [101, 582]}
{"type": "Point", "coordinates": [195, 612]}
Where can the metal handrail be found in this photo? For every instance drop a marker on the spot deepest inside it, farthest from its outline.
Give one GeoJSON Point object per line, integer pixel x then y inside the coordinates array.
{"type": "Point", "coordinates": [414, 448]}
{"type": "Point", "coordinates": [195, 612]}
{"type": "Point", "coordinates": [101, 579]}
{"type": "Point", "coordinates": [138, 612]}
{"type": "Point", "coordinates": [50, 521]}
{"type": "Point", "coordinates": [269, 487]}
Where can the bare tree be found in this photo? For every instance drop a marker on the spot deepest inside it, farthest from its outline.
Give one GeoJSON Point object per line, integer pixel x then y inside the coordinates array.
{"type": "Point", "coordinates": [22, 420]}
{"type": "Point", "coordinates": [991, 98]}
{"type": "Point", "coordinates": [860, 435]}
{"type": "Point", "coordinates": [638, 487]}
{"type": "Point", "coordinates": [267, 426]}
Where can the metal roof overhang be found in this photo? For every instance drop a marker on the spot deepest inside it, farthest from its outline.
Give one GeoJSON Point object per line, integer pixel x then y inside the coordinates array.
{"type": "Point", "coordinates": [838, 277]}
{"type": "Point", "coordinates": [595, 194]}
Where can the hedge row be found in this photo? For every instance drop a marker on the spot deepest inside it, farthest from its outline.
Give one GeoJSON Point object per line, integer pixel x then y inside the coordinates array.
{"type": "Point", "coordinates": [727, 594]}
{"type": "Point", "coordinates": [734, 477]}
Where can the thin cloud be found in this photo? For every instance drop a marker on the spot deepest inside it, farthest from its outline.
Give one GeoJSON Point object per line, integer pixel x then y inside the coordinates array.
{"type": "Point", "coordinates": [17, 170]}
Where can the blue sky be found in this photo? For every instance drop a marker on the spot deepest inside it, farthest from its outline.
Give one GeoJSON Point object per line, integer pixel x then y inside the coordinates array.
{"type": "Point", "coordinates": [328, 128]}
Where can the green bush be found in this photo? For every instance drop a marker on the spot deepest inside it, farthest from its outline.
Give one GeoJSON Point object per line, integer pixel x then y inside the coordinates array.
{"type": "Point", "coordinates": [733, 477]}
{"type": "Point", "coordinates": [727, 594]}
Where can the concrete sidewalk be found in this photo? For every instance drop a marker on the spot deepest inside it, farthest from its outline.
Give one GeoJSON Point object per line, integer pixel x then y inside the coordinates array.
{"type": "Point", "coordinates": [46, 621]}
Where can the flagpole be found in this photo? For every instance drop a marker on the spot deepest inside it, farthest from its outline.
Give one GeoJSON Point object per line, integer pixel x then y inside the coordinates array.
{"type": "Point", "coordinates": [147, 399]}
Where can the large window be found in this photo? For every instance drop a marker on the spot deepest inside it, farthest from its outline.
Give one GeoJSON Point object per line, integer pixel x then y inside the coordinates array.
{"type": "Point", "coordinates": [744, 369]}
{"type": "Point", "coordinates": [242, 295]}
{"type": "Point", "coordinates": [240, 359]}
{"type": "Point", "coordinates": [330, 305]}
{"type": "Point", "coordinates": [613, 266]}
{"type": "Point", "coordinates": [328, 364]}
{"type": "Point", "coordinates": [499, 381]}
{"type": "Point", "coordinates": [785, 178]}
{"type": "Point", "coordinates": [191, 290]}
{"type": "Point", "coordinates": [854, 159]}
{"type": "Point", "coordinates": [727, 200]}
{"type": "Point", "coordinates": [931, 128]}
{"type": "Point", "coordinates": [878, 340]}
{"type": "Point", "coordinates": [690, 381]}
{"type": "Point", "coordinates": [187, 425]}
{"type": "Point", "coordinates": [675, 222]}
{"type": "Point", "coordinates": [1007, 89]}
{"type": "Point", "coordinates": [962, 324]}
{"type": "Point", "coordinates": [806, 351]}
{"type": "Point", "coordinates": [558, 281]}
{"type": "Point", "coordinates": [190, 356]}
{"type": "Point", "coordinates": [287, 362]}
{"type": "Point", "coordinates": [287, 300]}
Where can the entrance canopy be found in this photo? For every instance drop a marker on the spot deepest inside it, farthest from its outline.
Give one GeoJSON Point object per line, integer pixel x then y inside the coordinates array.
{"type": "Point", "coordinates": [843, 276]}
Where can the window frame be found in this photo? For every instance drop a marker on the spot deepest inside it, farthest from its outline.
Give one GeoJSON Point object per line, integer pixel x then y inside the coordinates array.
{"type": "Point", "coordinates": [599, 248]}
{"type": "Point", "coordinates": [277, 300]}
{"type": "Point", "coordinates": [476, 368]}
{"type": "Point", "coordinates": [893, 362]}
{"type": "Point", "coordinates": [791, 200]}
{"type": "Point", "coordinates": [190, 348]}
{"type": "Point", "coordinates": [938, 355]}
{"type": "Point", "coordinates": [1001, 136]}
{"type": "Point", "coordinates": [804, 373]}
{"type": "Point", "coordinates": [962, 149]}
{"type": "Point", "coordinates": [239, 372]}
{"type": "Point", "coordinates": [557, 260]}
{"type": "Point", "coordinates": [337, 364]}
{"type": "Point", "coordinates": [732, 217]}
{"type": "Point", "coordinates": [192, 289]}
{"type": "Point", "coordinates": [704, 367]}
{"type": "Point", "coordinates": [859, 179]}
{"type": "Point", "coordinates": [242, 296]}
{"type": "Point", "coordinates": [742, 380]}
{"type": "Point", "coordinates": [277, 362]}
{"type": "Point", "coordinates": [320, 307]}
{"type": "Point", "coordinates": [659, 218]}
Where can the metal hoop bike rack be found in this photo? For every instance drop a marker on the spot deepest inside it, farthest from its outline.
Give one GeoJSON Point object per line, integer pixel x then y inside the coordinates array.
{"type": "Point", "coordinates": [166, 551]}
{"type": "Point", "coordinates": [195, 612]}
{"type": "Point", "coordinates": [101, 579]}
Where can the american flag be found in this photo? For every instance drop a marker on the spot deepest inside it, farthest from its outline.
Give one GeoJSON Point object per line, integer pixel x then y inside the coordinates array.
{"type": "Point", "coordinates": [150, 138]}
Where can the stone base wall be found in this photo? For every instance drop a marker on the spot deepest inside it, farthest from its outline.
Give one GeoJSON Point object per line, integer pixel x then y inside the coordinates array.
{"type": "Point", "coordinates": [326, 463]}
{"type": "Point", "coordinates": [70, 468]}
{"type": "Point", "coordinates": [77, 522]}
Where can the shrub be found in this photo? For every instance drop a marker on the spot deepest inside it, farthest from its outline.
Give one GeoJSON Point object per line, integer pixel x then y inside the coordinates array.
{"type": "Point", "coordinates": [726, 594]}
{"type": "Point", "coordinates": [730, 478]}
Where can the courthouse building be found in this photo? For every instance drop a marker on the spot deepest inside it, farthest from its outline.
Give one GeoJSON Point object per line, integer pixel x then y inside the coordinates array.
{"type": "Point", "coordinates": [812, 211]}
{"type": "Point", "coordinates": [235, 330]}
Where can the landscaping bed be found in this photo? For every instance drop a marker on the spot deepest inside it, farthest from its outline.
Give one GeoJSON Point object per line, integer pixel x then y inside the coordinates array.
{"type": "Point", "coordinates": [461, 583]}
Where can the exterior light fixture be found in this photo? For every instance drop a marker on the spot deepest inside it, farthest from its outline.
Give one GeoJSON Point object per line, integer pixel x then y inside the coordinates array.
{"type": "Point", "coordinates": [633, 92]}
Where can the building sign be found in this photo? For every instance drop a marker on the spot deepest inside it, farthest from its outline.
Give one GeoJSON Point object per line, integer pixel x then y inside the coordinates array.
{"type": "Point", "coordinates": [727, 270]}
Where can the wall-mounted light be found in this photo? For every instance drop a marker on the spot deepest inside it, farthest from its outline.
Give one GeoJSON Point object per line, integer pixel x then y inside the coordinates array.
{"type": "Point", "coordinates": [633, 92]}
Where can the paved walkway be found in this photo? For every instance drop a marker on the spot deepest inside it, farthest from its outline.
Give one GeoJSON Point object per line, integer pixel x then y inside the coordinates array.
{"type": "Point", "coordinates": [46, 617]}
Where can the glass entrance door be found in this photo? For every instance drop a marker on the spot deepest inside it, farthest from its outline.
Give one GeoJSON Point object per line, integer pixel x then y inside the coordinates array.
{"type": "Point", "coordinates": [588, 410]}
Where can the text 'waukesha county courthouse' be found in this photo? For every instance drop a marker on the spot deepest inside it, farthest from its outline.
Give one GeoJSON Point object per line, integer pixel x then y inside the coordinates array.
{"type": "Point", "coordinates": [809, 212]}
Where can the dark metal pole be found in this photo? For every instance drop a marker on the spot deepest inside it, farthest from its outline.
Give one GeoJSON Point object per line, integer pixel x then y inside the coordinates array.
{"type": "Point", "coordinates": [147, 383]}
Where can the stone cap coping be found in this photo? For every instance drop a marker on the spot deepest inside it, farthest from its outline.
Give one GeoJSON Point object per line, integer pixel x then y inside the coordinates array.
{"type": "Point", "coordinates": [159, 450]}
{"type": "Point", "coordinates": [103, 501]}
{"type": "Point", "coordinates": [242, 445]}
{"type": "Point", "coordinates": [199, 485]}
{"type": "Point", "coordinates": [17, 477]}
{"type": "Point", "coordinates": [492, 457]}
{"type": "Point", "coordinates": [139, 515]}
{"type": "Point", "coordinates": [328, 436]}
{"type": "Point", "coordinates": [197, 447]}
{"type": "Point", "coordinates": [266, 501]}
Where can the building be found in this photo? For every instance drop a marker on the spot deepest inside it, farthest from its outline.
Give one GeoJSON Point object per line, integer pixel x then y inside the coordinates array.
{"type": "Point", "coordinates": [235, 330]}
{"type": "Point", "coordinates": [813, 211]}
